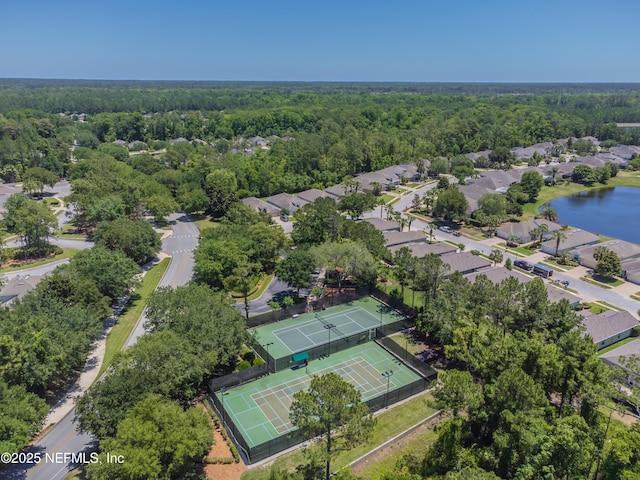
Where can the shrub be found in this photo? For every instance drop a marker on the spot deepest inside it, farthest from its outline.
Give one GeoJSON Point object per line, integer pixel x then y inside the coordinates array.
{"type": "Point", "coordinates": [475, 252]}
{"type": "Point", "coordinates": [249, 356]}
{"type": "Point", "coordinates": [508, 264]}
{"type": "Point", "coordinates": [257, 361]}
{"type": "Point", "coordinates": [243, 365]}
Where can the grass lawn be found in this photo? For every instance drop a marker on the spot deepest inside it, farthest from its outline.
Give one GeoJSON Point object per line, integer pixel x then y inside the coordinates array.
{"type": "Point", "coordinates": [554, 265]}
{"type": "Point", "coordinates": [406, 341]}
{"type": "Point", "coordinates": [262, 284]}
{"type": "Point", "coordinates": [612, 307]}
{"type": "Point", "coordinates": [390, 423]}
{"type": "Point", "coordinates": [522, 250]}
{"type": "Point", "coordinates": [394, 200]}
{"type": "Point", "coordinates": [616, 345]}
{"type": "Point", "coordinates": [610, 282]}
{"type": "Point", "coordinates": [129, 317]}
{"type": "Point", "coordinates": [203, 222]}
{"type": "Point", "coordinates": [414, 300]}
{"type": "Point", "coordinates": [66, 253]}
{"type": "Point", "coordinates": [595, 308]}
{"type": "Point", "coordinates": [386, 198]}
{"type": "Point", "coordinates": [589, 280]}
{"type": "Point", "coordinates": [66, 232]}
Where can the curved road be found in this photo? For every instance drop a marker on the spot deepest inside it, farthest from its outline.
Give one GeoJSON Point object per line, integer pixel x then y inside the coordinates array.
{"type": "Point", "coordinates": [63, 441]}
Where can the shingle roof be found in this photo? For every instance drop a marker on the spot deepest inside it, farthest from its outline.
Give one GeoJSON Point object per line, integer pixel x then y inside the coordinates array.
{"type": "Point", "coordinates": [313, 194]}
{"type": "Point", "coordinates": [608, 324]}
{"type": "Point", "coordinates": [575, 238]}
{"type": "Point", "coordinates": [399, 238]}
{"type": "Point", "coordinates": [383, 225]}
{"type": "Point", "coordinates": [420, 250]}
{"type": "Point", "coordinates": [613, 356]}
{"type": "Point", "coordinates": [18, 287]}
{"type": "Point", "coordinates": [465, 262]}
{"type": "Point", "coordinates": [623, 249]}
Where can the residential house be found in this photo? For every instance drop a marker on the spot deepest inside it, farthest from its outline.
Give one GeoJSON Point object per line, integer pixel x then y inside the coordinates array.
{"type": "Point", "coordinates": [522, 229]}
{"type": "Point", "coordinates": [615, 358]}
{"type": "Point", "coordinates": [313, 194]}
{"type": "Point", "coordinates": [286, 201]}
{"type": "Point", "coordinates": [631, 270]}
{"type": "Point", "coordinates": [401, 238]}
{"type": "Point", "coordinates": [609, 327]}
{"type": "Point", "coordinates": [18, 287]}
{"type": "Point", "coordinates": [465, 262]}
{"type": "Point", "coordinates": [383, 225]}
{"type": "Point", "coordinates": [422, 249]}
{"type": "Point", "coordinates": [573, 240]}
{"type": "Point", "coordinates": [261, 206]}
{"type": "Point", "coordinates": [624, 250]}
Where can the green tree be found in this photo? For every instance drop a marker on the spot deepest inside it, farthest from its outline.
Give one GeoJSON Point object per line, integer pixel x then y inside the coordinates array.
{"type": "Point", "coordinates": [404, 270]}
{"type": "Point", "coordinates": [583, 174]}
{"type": "Point", "coordinates": [22, 416]}
{"type": "Point", "coordinates": [221, 186]}
{"type": "Point", "coordinates": [443, 183]}
{"type": "Point", "coordinates": [609, 265]}
{"type": "Point", "coordinates": [438, 167]}
{"type": "Point", "coordinates": [549, 213]}
{"type": "Point", "coordinates": [430, 272]}
{"type": "Point", "coordinates": [450, 205]}
{"type": "Point", "coordinates": [553, 173]}
{"type": "Point", "coordinates": [496, 256]}
{"type": "Point", "coordinates": [160, 206]}
{"type": "Point", "coordinates": [157, 439]}
{"type": "Point", "coordinates": [456, 390]}
{"type": "Point", "coordinates": [493, 204]}
{"type": "Point", "coordinates": [502, 158]}
{"type": "Point", "coordinates": [241, 279]}
{"type": "Point", "coordinates": [558, 236]}
{"type": "Point", "coordinates": [355, 204]}
{"type": "Point", "coordinates": [346, 260]}
{"type": "Point", "coordinates": [333, 410]}
{"type": "Point", "coordinates": [317, 222]}
{"type": "Point", "coordinates": [38, 177]}
{"type": "Point", "coordinates": [33, 222]}
{"type": "Point", "coordinates": [111, 271]}
{"type": "Point", "coordinates": [297, 269]}
{"type": "Point", "coordinates": [136, 238]}
{"type": "Point", "coordinates": [532, 182]}
{"type": "Point", "coordinates": [108, 208]}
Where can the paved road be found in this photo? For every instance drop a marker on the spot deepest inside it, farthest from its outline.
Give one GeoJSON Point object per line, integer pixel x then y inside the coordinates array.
{"type": "Point", "coordinates": [63, 438]}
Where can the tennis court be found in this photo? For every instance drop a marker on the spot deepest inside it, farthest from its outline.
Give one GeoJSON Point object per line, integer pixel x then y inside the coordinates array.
{"type": "Point", "coordinates": [260, 409]}
{"type": "Point", "coordinates": [313, 329]}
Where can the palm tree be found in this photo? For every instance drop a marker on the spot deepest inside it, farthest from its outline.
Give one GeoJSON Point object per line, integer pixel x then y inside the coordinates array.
{"type": "Point", "coordinates": [550, 214]}
{"type": "Point", "coordinates": [600, 252]}
{"type": "Point", "coordinates": [553, 171]}
{"type": "Point", "coordinates": [514, 239]}
{"type": "Point", "coordinates": [543, 228]}
{"type": "Point", "coordinates": [558, 236]}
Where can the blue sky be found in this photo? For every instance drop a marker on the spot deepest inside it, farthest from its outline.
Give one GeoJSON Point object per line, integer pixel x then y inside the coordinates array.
{"type": "Point", "coordinates": [413, 41]}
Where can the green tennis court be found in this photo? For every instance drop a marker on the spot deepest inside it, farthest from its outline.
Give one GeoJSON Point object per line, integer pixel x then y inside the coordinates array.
{"type": "Point", "coordinates": [313, 329]}
{"type": "Point", "coordinates": [260, 409]}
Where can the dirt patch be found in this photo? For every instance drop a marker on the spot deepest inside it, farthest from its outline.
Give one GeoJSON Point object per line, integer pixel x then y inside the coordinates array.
{"type": "Point", "coordinates": [220, 449]}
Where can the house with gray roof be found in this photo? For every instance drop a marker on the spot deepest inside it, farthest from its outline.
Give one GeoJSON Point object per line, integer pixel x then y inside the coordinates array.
{"type": "Point", "coordinates": [499, 274]}
{"type": "Point", "coordinates": [18, 287]}
{"type": "Point", "coordinates": [313, 194]}
{"type": "Point", "coordinates": [473, 193]}
{"type": "Point", "coordinates": [615, 358]}
{"type": "Point", "coordinates": [383, 225]}
{"type": "Point", "coordinates": [556, 294]}
{"type": "Point", "coordinates": [626, 152]}
{"type": "Point", "coordinates": [286, 201]}
{"type": "Point", "coordinates": [522, 229]}
{"type": "Point", "coordinates": [574, 239]}
{"type": "Point", "coordinates": [465, 262]}
{"type": "Point", "coordinates": [524, 154]}
{"type": "Point", "coordinates": [476, 155]}
{"type": "Point", "coordinates": [122, 143]}
{"type": "Point", "coordinates": [609, 327]}
{"type": "Point", "coordinates": [593, 162]}
{"type": "Point", "coordinates": [178, 140]}
{"type": "Point", "coordinates": [624, 250]}
{"type": "Point", "coordinates": [631, 270]}
{"type": "Point", "coordinates": [402, 238]}
{"type": "Point", "coordinates": [423, 249]}
{"type": "Point", "coordinates": [261, 206]}
{"type": "Point", "coordinates": [336, 191]}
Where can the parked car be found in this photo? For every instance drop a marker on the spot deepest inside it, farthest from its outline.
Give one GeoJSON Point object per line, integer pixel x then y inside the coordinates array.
{"type": "Point", "coordinates": [456, 233]}
{"type": "Point", "coordinates": [446, 229]}
{"type": "Point", "coordinates": [523, 265]}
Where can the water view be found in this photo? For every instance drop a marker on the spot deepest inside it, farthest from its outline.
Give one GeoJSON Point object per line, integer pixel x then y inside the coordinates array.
{"type": "Point", "coordinates": [612, 211]}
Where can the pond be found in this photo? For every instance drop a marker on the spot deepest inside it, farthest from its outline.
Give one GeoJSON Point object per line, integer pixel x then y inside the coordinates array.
{"type": "Point", "coordinates": [610, 211]}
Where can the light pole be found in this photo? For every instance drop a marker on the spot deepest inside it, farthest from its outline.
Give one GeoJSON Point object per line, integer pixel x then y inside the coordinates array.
{"type": "Point", "coordinates": [267, 345]}
{"type": "Point", "coordinates": [329, 327]}
{"type": "Point", "coordinates": [606, 430]}
{"type": "Point", "coordinates": [387, 375]}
